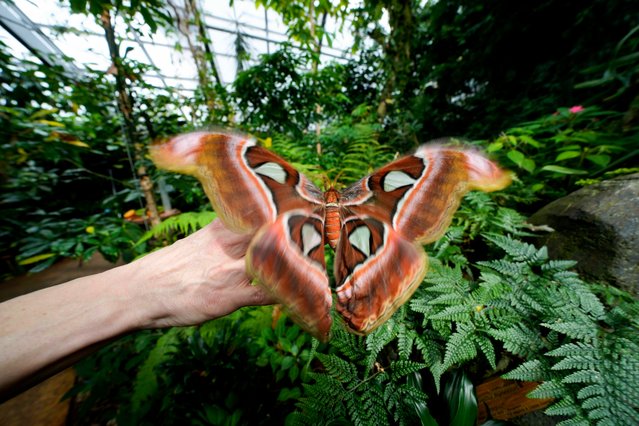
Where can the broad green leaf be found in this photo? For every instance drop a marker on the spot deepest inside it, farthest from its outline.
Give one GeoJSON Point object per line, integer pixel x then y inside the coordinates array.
{"type": "Point", "coordinates": [495, 146]}
{"type": "Point", "coordinates": [600, 160]}
{"type": "Point", "coordinates": [529, 141]}
{"type": "Point", "coordinates": [43, 112]}
{"type": "Point", "coordinates": [35, 259]}
{"type": "Point", "coordinates": [462, 403]}
{"type": "Point", "coordinates": [563, 170]}
{"type": "Point", "coordinates": [78, 6]}
{"type": "Point", "coordinates": [528, 165]}
{"type": "Point", "coordinates": [50, 123]}
{"type": "Point", "coordinates": [287, 362]}
{"type": "Point", "coordinates": [286, 394]}
{"type": "Point", "coordinates": [516, 157]}
{"type": "Point", "coordinates": [567, 155]}
{"type": "Point", "coordinates": [77, 143]}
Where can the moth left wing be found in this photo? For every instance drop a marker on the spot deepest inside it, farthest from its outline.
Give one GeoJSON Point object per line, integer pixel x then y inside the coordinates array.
{"type": "Point", "coordinates": [376, 271]}
{"type": "Point", "coordinates": [379, 262]}
{"type": "Point", "coordinates": [418, 194]}
{"type": "Point", "coordinates": [287, 258]}
{"type": "Point", "coordinates": [248, 185]}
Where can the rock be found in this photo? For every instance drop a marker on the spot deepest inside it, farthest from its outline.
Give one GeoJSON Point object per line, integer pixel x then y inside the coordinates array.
{"type": "Point", "coordinates": [598, 226]}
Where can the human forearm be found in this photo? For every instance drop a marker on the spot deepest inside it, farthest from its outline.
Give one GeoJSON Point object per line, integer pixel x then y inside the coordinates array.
{"type": "Point", "coordinates": [42, 327]}
{"type": "Point", "coordinates": [198, 278]}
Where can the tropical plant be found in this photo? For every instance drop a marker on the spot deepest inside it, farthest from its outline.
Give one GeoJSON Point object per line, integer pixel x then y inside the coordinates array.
{"type": "Point", "coordinates": [523, 307]}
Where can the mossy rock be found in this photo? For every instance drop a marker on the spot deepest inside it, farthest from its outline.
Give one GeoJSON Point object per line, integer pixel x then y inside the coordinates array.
{"type": "Point", "coordinates": [598, 226]}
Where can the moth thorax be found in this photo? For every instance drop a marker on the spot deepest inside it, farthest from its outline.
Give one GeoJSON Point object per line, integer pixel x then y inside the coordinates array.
{"type": "Point", "coordinates": [332, 223]}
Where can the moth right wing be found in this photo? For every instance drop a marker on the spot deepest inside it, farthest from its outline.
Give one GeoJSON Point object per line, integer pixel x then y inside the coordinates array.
{"type": "Point", "coordinates": [287, 258]}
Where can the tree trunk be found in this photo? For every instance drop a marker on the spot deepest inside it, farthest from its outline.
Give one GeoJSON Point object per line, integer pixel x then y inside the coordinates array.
{"type": "Point", "coordinates": [397, 49]}
{"type": "Point", "coordinates": [125, 105]}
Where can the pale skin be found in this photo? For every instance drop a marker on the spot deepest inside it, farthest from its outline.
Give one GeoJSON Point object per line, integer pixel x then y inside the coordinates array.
{"type": "Point", "coordinates": [198, 278]}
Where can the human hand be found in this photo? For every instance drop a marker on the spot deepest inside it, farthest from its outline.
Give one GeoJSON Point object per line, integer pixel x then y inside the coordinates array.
{"type": "Point", "coordinates": [195, 279]}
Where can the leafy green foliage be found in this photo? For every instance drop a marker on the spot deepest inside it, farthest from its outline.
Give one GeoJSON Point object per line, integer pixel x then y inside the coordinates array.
{"type": "Point", "coordinates": [182, 224]}
{"type": "Point", "coordinates": [222, 372]}
{"type": "Point", "coordinates": [524, 304]}
{"type": "Point", "coordinates": [551, 154]}
{"type": "Point", "coordinates": [67, 174]}
{"type": "Point", "coordinates": [490, 299]}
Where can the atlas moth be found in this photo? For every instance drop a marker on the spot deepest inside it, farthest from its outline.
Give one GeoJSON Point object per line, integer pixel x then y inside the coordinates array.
{"type": "Point", "coordinates": [376, 226]}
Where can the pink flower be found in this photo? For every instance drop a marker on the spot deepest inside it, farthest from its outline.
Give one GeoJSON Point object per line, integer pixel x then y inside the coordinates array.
{"type": "Point", "coordinates": [576, 109]}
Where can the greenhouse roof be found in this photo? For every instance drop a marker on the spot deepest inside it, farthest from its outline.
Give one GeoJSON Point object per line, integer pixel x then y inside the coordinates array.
{"type": "Point", "coordinates": [49, 30]}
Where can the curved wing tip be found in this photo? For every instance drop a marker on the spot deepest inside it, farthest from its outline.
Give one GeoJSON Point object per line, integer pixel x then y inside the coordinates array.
{"type": "Point", "coordinates": [179, 153]}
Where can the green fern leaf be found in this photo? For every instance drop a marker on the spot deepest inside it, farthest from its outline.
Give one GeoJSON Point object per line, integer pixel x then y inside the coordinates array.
{"type": "Point", "coordinates": [575, 421]}
{"type": "Point", "coordinates": [574, 329]}
{"type": "Point", "coordinates": [458, 313]}
{"type": "Point", "coordinates": [184, 223]}
{"type": "Point", "coordinates": [582, 376]}
{"type": "Point", "coordinates": [519, 340]}
{"type": "Point", "coordinates": [518, 250]}
{"type": "Point", "coordinates": [562, 408]}
{"type": "Point", "coordinates": [549, 389]}
{"type": "Point", "coordinates": [376, 341]}
{"type": "Point", "coordinates": [405, 341]}
{"type": "Point", "coordinates": [341, 370]}
{"type": "Point", "coordinates": [460, 346]}
{"type": "Point", "coordinates": [530, 371]}
{"type": "Point", "coordinates": [592, 390]}
{"type": "Point", "coordinates": [403, 368]}
{"type": "Point", "coordinates": [487, 348]}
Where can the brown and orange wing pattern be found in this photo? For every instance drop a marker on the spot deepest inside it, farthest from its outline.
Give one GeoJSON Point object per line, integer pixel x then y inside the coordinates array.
{"type": "Point", "coordinates": [408, 202]}
{"type": "Point", "coordinates": [287, 258]}
{"type": "Point", "coordinates": [376, 271]}
{"type": "Point", "coordinates": [256, 192]}
{"type": "Point", "coordinates": [385, 217]}
{"type": "Point", "coordinates": [247, 185]}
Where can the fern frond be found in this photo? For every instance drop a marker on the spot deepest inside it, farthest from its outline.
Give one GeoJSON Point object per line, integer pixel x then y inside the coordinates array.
{"type": "Point", "coordinates": [184, 223]}
{"type": "Point", "coordinates": [373, 402]}
{"type": "Point", "coordinates": [575, 421]}
{"type": "Point", "coordinates": [405, 341]}
{"type": "Point", "coordinates": [339, 369]}
{"type": "Point", "coordinates": [431, 351]}
{"type": "Point", "coordinates": [549, 389]}
{"type": "Point", "coordinates": [458, 313]}
{"type": "Point", "coordinates": [582, 376]}
{"type": "Point", "coordinates": [563, 407]}
{"type": "Point", "coordinates": [519, 340]}
{"type": "Point", "coordinates": [530, 371]}
{"type": "Point", "coordinates": [146, 382]}
{"type": "Point", "coordinates": [591, 390]}
{"type": "Point", "coordinates": [575, 330]}
{"type": "Point", "coordinates": [577, 361]}
{"type": "Point", "coordinates": [556, 266]}
{"type": "Point", "coordinates": [377, 340]}
{"type": "Point", "coordinates": [448, 299]}
{"type": "Point", "coordinates": [348, 344]}
{"type": "Point", "coordinates": [510, 269]}
{"type": "Point", "coordinates": [518, 250]}
{"type": "Point", "coordinates": [461, 345]}
{"type": "Point", "coordinates": [403, 368]}
{"type": "Point", "coordinates": [487, 348]}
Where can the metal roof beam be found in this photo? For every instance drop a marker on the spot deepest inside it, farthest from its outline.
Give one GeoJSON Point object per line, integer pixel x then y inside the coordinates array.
{"type": "Point", "coordinates": [29, 35]}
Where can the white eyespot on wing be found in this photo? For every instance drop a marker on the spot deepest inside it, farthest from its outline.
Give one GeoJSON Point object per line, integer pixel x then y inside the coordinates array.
{"type": "Point", "coordinates": [360, 238]}
{"type": "Point", "coordinates": [272, 170]}
{"type": "Point", "coordinates": [396, 179]}
{"type": "Point", "coordinates": [310, 238]}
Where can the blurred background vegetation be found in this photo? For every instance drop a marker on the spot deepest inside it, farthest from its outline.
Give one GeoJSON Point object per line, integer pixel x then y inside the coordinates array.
{"type": "Point", "coordinates": [550, 89]}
